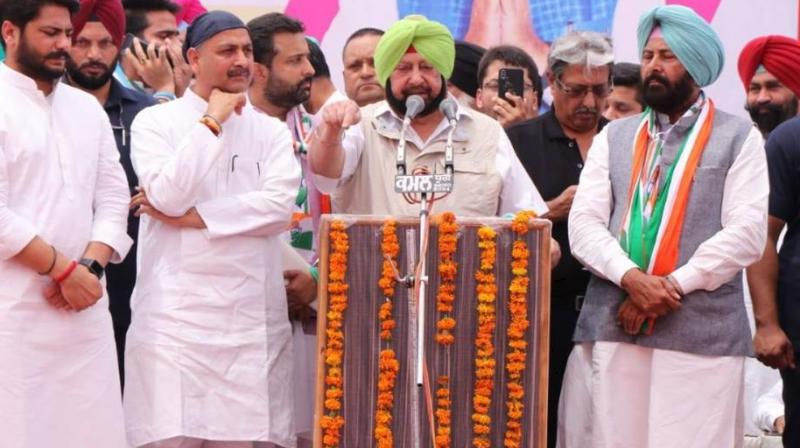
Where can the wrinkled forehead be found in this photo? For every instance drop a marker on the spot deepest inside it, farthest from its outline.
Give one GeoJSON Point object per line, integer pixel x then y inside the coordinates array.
{"type": "Point", "coordinates": [413, 58]}
{"type": "Point", "coordinates": [656, 43]}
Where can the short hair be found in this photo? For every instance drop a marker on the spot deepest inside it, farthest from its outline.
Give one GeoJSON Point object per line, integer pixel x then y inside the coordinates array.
{"type": "Point", "coordinates": [262, 31]}
{"type": "Point", "coordinates": [587, 48]}
{"type": "Point", "coordinates": [136, 13]}
{"type": "Point", "coordinates": [21, 12]}
{"type": "Point", "coordinates": [317, 59]}
{"type": "Point", "coordinates": [626, 74]}
{"type": "Point", "coordinates": [514, 56]}
{"type": "Point", "coordinates": [366, 31]}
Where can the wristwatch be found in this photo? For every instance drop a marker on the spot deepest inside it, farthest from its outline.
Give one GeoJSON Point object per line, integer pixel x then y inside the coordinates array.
{"type": "Point", "coordinates": [93, 266]}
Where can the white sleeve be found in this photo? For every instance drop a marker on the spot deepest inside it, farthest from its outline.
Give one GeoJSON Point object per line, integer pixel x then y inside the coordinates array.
{"type": "Point", "coordinates": [263, 212]}
{"type": "Point", "coordinates": [16, 232]}
{"type": "Point", "coordinates": [111, 197]}
{"type": "Point", "coordinates": [519, 192]}
{"type": "Point", "coordinates": [170, 175]}
{"type": "Point", "coordinates": [743, 236]}
{"type": "Point", "coordinates": [352, 144]}
{"type": "Point", "coordinates": [769, 407]}
{"type": "Point", "coordinates": [590, 240]}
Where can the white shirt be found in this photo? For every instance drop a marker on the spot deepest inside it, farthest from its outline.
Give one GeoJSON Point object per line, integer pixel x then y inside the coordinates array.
{"type": "Point", "coordinates": [518, 191]}
{"type": "Point", "coordinates": [60, 179]}
{"type": "Point", "coordinates": [769, 407]}
{"type": "Point", "coordinates": [208, 352]}
{"type": "Point", "coordinates": [739, 244]}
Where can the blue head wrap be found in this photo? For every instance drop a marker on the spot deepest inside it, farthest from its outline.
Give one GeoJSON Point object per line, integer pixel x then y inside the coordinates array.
{"type": "Point", "coordinates": [209, 25]}
{"type": "Point", "coordinates": [690, 37]}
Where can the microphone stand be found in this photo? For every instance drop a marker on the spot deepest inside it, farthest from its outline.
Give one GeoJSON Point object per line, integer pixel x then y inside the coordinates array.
{"type": "Point", "coordinates": [417, 310]}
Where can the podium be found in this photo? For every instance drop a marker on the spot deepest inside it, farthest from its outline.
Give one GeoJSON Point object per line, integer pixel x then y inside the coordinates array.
{"type": "Point", "coordinates": [487, 378]}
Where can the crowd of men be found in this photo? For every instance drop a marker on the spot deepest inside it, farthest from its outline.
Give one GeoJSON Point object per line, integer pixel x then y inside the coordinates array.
{"type": "Point", "coordinates": [157, 159]}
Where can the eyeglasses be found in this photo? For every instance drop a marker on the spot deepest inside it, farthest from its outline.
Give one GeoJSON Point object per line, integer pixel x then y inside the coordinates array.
{"type": "Point", "coordinates": [494, 85]}
{"type": "Point", "coordinates": [580, 90]}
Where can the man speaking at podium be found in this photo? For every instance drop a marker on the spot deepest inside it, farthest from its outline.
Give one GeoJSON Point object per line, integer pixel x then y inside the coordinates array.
{"type": "Point", "coordinates": [354, 152]}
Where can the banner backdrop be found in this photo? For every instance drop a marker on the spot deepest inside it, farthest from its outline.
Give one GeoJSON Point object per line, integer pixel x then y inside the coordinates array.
{"type": "Point", "coordinates": [533, 24]}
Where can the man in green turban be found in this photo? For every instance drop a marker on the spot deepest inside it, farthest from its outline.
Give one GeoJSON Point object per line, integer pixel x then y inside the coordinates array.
{"type": "Point", "coordinates": [353, 153]}
{"type": "Point", "coordinates": [670, 208]}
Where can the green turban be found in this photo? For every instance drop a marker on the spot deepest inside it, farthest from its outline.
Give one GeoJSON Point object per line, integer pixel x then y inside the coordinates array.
{"type": "Point", "coordinates": [690, 37]}
{"type": "Point", "coordinates": [430, 39]}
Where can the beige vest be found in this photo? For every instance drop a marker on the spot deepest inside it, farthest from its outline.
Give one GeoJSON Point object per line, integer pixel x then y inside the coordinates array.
{"type": "Point", "coordinates": [477, 184]}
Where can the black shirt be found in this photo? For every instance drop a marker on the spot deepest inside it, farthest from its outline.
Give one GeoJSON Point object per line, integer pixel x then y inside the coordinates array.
{"type": "Point", "coordinates": [122, 106]}
{"type": "Point", "coordinates": [553, 161]}
{"type": "Point", "coordinates": [783, 159]}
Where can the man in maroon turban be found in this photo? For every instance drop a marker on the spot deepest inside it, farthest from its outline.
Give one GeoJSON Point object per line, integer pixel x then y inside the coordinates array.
{"type": "Point", "coordinates": [769, 67]}
{"type": "Point", "coordinates": [108, 12]}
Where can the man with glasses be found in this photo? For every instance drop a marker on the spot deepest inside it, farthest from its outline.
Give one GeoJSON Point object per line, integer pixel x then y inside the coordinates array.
{"type": "Point", "coordinates": [553, 148]}
{"type": "Point", "coordinates": [99, 28]}
{"type": "Point", "coordinates": [512, 109]}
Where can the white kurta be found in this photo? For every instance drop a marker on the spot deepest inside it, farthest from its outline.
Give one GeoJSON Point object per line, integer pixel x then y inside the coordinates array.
{"type": "Point", "coordinates": [60, 179]}
{"type": "Point", "coordinates": [209, 348]}
{"type": "Point", "coordinates": [623, 395]}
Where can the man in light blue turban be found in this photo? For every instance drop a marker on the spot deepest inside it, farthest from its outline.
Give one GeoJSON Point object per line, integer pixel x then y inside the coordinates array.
{"type": "Point", "coordinates": [671, 206]}
{"type": "Point", "coordinates": [690, 37]}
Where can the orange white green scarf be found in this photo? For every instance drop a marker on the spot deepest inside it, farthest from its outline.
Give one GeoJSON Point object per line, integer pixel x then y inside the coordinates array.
{"type": "Point", "coordinates": [658, 197]}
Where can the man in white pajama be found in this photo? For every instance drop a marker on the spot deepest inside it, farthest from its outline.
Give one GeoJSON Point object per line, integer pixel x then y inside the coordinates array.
{"type": "Point", "coordinates": [671, 206]}
{"type": "Point", "coordinates": [63, 217]}
{"type": "Point", "coordinates": [209, 355]}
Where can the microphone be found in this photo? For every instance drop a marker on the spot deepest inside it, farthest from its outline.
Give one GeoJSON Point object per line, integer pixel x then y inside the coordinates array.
{"type": "Point", "coordinates": [414, 105]}
{"type": "Point", "coordinates": [449, 107]}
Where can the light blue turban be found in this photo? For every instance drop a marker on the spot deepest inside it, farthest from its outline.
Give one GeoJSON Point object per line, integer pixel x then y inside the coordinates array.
{"type": "Point", "coordinates": [690, 37]}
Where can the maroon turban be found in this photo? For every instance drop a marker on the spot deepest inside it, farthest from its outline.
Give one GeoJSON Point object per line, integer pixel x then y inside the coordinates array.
{"type": "Point", "coordinates": [109, 12]}
{"type": "Point", "coordinates": [780, 56]}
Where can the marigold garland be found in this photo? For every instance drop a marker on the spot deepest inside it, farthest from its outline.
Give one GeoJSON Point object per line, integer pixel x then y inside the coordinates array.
{"type": "Point", "coordinates": [445, 297]}
{"type": "Point", "coordinates": [484, 358]}
{"type": "Point", "coordinates": [518, 309]}
{"type": "Point", "coordinates": [388, 365]}
{"type": "Point", "coordinates": [332, 421]}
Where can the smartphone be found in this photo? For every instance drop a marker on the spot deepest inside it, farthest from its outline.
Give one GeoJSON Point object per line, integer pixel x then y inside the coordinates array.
{"type": "Point", "coordinates": [127, 43]}
{"type": "Point", "coordinates": [510, 80]}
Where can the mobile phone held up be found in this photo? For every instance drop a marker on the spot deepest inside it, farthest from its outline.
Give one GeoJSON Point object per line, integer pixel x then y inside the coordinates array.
{"type": "Point", "coordinates": [510, 80]}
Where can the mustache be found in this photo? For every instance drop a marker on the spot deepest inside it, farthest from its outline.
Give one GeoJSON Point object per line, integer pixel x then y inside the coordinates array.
{"type": "Point", "coordinates": [586, 110]}
{"type": "Point", "coordinates": [238, 71]}
{"type": "Point", "coordinates": [654, 77]}
{"type": "Point", "coordinates": [95, 64]}
{"type": "Point", "coordinates": [58, 54]}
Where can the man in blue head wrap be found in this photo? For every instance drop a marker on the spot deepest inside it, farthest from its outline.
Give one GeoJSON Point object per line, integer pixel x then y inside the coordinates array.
{"type": "Point", "coordinates": [666, 229]}
{"type": "Point", "coordinates": [208, 355]}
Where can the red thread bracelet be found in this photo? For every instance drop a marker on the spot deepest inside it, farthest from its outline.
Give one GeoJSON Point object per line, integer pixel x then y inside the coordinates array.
{"type": "Point", "coordinates": [72, 265]}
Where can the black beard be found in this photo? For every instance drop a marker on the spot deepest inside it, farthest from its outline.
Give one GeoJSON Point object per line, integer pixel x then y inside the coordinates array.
{"type": "Point", "coordinates": [398, 105]}
{"type": "Point", "coordinates": [774, 115]}
{"type": "Point", "coordinates": [90, 82]}
{"type": "Point", "coordinates": [33, 66]}
{"type": "Point", "coordinates": [671, 98]}
{"type": "Point", "coordinates": [285, 96]}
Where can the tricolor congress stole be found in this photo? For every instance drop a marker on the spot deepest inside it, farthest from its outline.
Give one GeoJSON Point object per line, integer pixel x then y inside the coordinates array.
{"type": "Point", "coordinates": [657, 198]}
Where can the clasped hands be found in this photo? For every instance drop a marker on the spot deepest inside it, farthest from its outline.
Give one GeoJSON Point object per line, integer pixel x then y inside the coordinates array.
{"type": "Point", "coordinates": [80, 290]}
{"type": "Point", "coordinates": [649, 297]}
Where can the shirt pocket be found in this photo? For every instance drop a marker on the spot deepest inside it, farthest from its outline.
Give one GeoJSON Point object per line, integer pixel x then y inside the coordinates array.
{"type": "Point", "coordinates": [245, 174]}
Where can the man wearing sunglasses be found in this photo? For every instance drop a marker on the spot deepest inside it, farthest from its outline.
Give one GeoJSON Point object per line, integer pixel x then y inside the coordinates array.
{"type": "Point", "coordinates": [553, 148]}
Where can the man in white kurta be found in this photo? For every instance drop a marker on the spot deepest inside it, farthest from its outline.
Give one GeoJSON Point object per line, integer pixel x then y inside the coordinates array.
{"type": "Point", "coordinates": [63, 198]}
{"type": "Point", "coordinates": [670, 208]}
{"type": "Point", "coordinates": [209, 357]}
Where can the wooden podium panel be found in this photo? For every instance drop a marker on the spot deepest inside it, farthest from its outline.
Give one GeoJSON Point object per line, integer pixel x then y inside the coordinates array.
{"type": "Point", "coordinates": [361, 327]}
